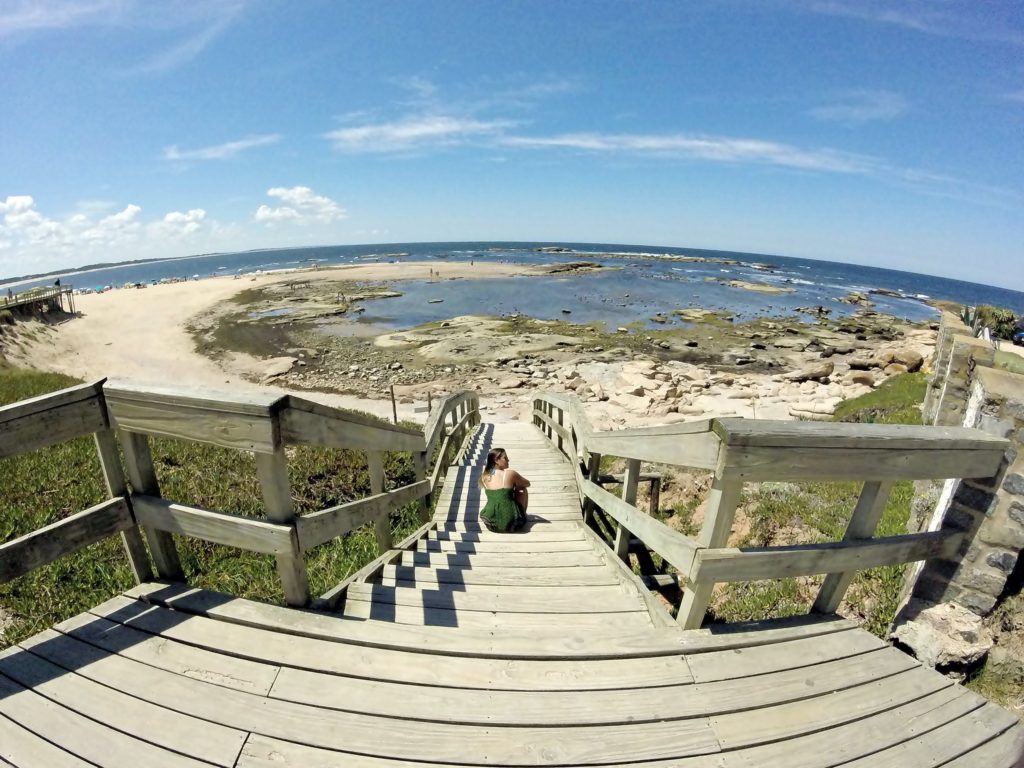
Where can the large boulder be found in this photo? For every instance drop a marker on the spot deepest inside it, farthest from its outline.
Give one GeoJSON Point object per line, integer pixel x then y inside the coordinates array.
{"type": "Point", "coordinates": [816, 372]}
{"type": "Point", "coordinates": [943, 636]}
{"type": "Point", "coordinates": [909, 358]}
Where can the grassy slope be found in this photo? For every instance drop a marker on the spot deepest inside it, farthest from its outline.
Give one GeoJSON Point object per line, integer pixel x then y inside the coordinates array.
{"type": "Point", "coordinates": [50, 484]}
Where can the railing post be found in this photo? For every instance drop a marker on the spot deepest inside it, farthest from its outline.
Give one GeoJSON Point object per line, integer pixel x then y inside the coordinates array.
{"type": "Point", "coordinates": [869, 510]}
{"type": "Point", "coordinates": [629, 486]}
{"type": "Point", "coordinates": [139, 465]}
{"type": "Point", "coordinates": [419, 463]}
{"type": "Point", "coordinates": [655, 504]}
{"type": "Point", "coordinates": [722, 503]}
{"type": "Point", "coordinates": [382, 525]}
{"type": "Point", "coordinates": [561, 413]}
{"type": "Point", "coordinates": [138, 559]}
{"type": "Point", "coordinates": [593, 472]}
{"type": "Point", "coordinates": [272, 471]}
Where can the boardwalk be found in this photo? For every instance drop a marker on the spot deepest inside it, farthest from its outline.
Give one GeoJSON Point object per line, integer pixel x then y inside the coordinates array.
{"type": "Point", "coordinates": [474, 648]}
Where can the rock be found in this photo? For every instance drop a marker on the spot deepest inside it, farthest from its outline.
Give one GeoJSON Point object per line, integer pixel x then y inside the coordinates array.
{"type": "Point", "coordinates": [910, 359]}
{"type": "Point", "coordinates": [692, 343]}
{"type": "Point", "coordinates": [862, 377]}
{"type": "Point", "coordinates": [620, 329]}
{"type": "Point", "coordinates": [862, 363]}
{"type": "Point", "coordinates": [664, 345]}
{"type": "Point", "coordinates": [893, 369]}
{"type": "Point", "coordinates": [1008, 663]}
{"type": "Point", "coordinates": [277, 366]}
{"type": "Point", "coordinates": [598, 391]}
{"type": "Point", "coordinates": [510, 383]}
{"type": "Point", "coordinates": [396, 366]}
{"type": "Point", "coordinates": [813, 373]}
{"type": "Point", "coordinates": [944, 635]}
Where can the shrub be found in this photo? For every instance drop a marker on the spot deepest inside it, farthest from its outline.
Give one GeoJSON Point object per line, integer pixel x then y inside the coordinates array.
{"type": "Point", "coordinates": [1000, 322]}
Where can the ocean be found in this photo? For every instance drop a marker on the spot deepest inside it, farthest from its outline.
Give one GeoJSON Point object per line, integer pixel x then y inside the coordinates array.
{"type": "Point", "coordinates": [642, 281]}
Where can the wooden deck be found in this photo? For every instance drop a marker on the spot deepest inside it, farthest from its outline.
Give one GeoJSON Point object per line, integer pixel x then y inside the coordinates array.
{"type": "Point", "coordinates": [536, 648]}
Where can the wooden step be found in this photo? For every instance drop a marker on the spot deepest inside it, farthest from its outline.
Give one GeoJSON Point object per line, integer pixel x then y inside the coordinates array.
{"type": "Point", "coordinates": [563, 577]}
{"type": "Point", "coordinates": [501, 599]}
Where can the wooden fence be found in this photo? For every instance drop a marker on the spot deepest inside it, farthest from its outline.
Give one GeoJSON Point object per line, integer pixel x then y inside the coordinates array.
{"type": "Point", "coordinates": [263, 424]}
{"type": "Point", "coordinates": [743, 450]}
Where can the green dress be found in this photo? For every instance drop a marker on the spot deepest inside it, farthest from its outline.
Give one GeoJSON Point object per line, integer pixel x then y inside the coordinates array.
{"type": "Point", "coordinates": [502, 513]}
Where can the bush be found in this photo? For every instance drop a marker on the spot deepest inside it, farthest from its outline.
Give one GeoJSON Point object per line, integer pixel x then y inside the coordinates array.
{"type": "Point", "coordinates": [1000, 322]}
{"type": "Point", "coordinates": [6, 317]}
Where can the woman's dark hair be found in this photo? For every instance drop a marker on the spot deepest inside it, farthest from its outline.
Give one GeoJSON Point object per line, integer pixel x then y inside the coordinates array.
{"type": "Point", "coordinates": [492, 457]}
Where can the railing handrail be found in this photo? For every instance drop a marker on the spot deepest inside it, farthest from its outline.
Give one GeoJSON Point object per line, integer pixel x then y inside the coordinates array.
{"type": "Point", "coordinates": [742, 450]}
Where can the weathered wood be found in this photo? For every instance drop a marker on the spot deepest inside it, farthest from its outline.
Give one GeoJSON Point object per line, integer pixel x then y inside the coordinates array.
{"type": "Point", "coordinates": [113, 476]}
{"type": "Point", "coordinates": [243, 421]}
{"type": "Point", "coordinates": [381, 525]}
{"type": "Point", "coordinates": [219, 527]}
{"type": "Point", "coordinates": [629, 488]}
{"type": "Point", "coordinates": [419, 466]}
{"type": "Point", "coordinates": [318, 527]}
{"type": "Point", "coordinates": [50, 419]}
{"type": "Point", "coordinates": [304, 422]}
{"type": "Point", "coordinates": [138, 463]}
{"type": "Point", "coordinates": [64, 537]}
{"type": "Point", "coordinates": [721, 565]}
{"type": "Point", "coordinates": [862, 525]}
{"type": "Point", "coordinates": [792, 464]}
{"type": "Point", "coordinates": [718, 519]}
{"type": "Point", "coordinates": [272, 470]}
{"type": "Point", "coordinates": [593, 473]}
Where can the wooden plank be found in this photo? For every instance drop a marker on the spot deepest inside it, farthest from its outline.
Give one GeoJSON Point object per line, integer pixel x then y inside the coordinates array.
{"type": "Point", "coordinates": [138, 463]}
{"type": "Point", "coordinates": [742, 729]}
{"type": "Point", "coordinates": [629, 487]}
{"type": "Point", "coordinates": [247, 422]}
{"type": "Point", "coordinates": [550, 577]}
{"type": "Point", "coordinates": [419, 464]}
{"type": "Point", "coordinates": [730, 564]}
{"type": "Point", "coordinates": [791, 464]}
{"type": "Point", "coordinates": [502, 560]}
{"type": "Point", "coordinates": [609, 644]}
{"type": "Point", "coordinates": [219, 527]}
{"type": "Point", "coordinates": [263, 649]}
{"type": "Point", "coordinates": [809, 434]}
{"type": "Point", "coordinates": [1004, 751]}
{"type": "Point", "coordinates": [88, 739]}
{"type": "Point", "coordinates": [217, 666]}
{"type": "Point", "coordinates": [113, 476]}
{"type": "Point", "coordinates": [63, 414]}
{"type": "Point", "coordinates": [571, 531]}
{"type": "Point", "coordinates": [307, 423]}
{"type": "Point", "coordinates": [48, 666]}
{"type": "Point", "coordinates": [64, 537]}
{"type": "Point", "coordinates": [22, 747]}
{"type": "Point", "coordinates": [868, 512]}
{"type": "Point", "coordinates": [272, 470]}
{"type": "Point", "coordinates": [508, 599]}
{"type": "Point", "coordinates": [521, 542]}
{"type": "Point", "coordinates": [318, 527]}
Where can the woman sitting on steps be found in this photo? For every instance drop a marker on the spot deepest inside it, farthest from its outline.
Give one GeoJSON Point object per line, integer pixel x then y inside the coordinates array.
{"type": "Point", "coordinates": [507, 497]}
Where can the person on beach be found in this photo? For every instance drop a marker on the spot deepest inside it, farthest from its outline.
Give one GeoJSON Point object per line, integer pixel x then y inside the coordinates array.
{"type": "Point", "coordinates": [507, 497]}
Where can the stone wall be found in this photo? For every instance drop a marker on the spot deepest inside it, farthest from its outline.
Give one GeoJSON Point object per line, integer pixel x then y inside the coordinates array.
{"type": "Point", "coordinates": [946, 601]}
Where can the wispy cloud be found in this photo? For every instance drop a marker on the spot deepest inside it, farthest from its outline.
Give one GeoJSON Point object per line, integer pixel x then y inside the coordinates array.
{"type": "Point", "coordinates": [711, 148]}
{"type": "Point", "coordinates": [863, 106]}
{"type": "Point", "coordinates": [221, 151]}
{"type": "Point", "coordinates": [968, 21]}
{"type": "Point", "coordinates": [413, 132]}
{"type": "Point", "coordinates": [30, 15]}
{"type": "Point", "coordinates": [301, 206]}
{"type": "Point", "coordinates": [198, 36]}
{"type": "Point", "coordinates": [1015, 96]}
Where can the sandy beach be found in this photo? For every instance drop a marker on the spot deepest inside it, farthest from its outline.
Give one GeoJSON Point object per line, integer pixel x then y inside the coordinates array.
{"type": "Point", "coordinates": [143, 336]}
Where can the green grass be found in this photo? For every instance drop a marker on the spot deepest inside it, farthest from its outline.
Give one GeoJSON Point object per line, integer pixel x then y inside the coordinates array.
{"type": "Point", "coordinates": [48, 485]}
{"type": "Point", "coordinates": [820, 512]}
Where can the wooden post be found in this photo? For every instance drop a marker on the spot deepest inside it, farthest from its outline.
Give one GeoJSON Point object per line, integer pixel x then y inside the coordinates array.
{"type": "Point", "coordinates": [869, 510]}
{"type": "Point", "coordinates": [655, 505]}
{"type": "Point", "coordinates": [722, 503]}
{"type": "Point", "coordinates": [629, 486]}
{"type": "Point", "coordinates": [138, 559]}
{"type": "Point", "coordinates": [593, 471]}
{"type": "Point", "coordinates": [138, 463]}
{"type": "Point", "coordinates": [430, 403]}
{"type": "Point", "coordinates": [272, 471]}
{"type": "Point", "coordinates": [419, 461]}
{"type": "Point", "coordinates": [394, 406]}
{"type": "Point", "coordinates": [382, 525]}
{"type": "Point", "coordinates": [561, 414]}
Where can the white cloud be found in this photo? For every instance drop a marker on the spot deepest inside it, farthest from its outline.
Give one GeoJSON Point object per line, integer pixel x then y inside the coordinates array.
{"type": "Point", "coordinates": [221, 151]}
{"type": "Point", "coordinates": [27, 15]}
{"type": "Point", "coordinates": [179, 224]}
{"type": "Point", "coordinates": [116, 227]}
{"type": "Point", "coordinates": [862, 106]}
{"type": "Point", "coordinates": [24, 223]}
{"type": "Point", "coordinates": [712, 148]}
{"type": "Point", "coordinates": [301, 205]}
{"type": "Point", "coordinates": [413, 132]}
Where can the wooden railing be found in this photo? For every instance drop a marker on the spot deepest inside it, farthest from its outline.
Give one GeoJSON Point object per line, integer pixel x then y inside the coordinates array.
{"type": "Point", "coordinates": [743, 450]}
{"type": "Point", "coordinates": [263, 424]}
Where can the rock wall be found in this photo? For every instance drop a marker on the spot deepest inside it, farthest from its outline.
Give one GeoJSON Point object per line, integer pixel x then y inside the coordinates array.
{"type": "Point", "coordinates": [946, 602]}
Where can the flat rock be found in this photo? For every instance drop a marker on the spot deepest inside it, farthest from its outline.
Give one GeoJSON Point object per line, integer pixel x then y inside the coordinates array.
{"type": "Point", "coordinates": [814, 372]}
{"type": "Point", "coordinates": [944, 635]}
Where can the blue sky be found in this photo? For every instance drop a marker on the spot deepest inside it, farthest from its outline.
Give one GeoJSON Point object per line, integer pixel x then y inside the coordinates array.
{"type": "Point", "coordinates": [881, 133]}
